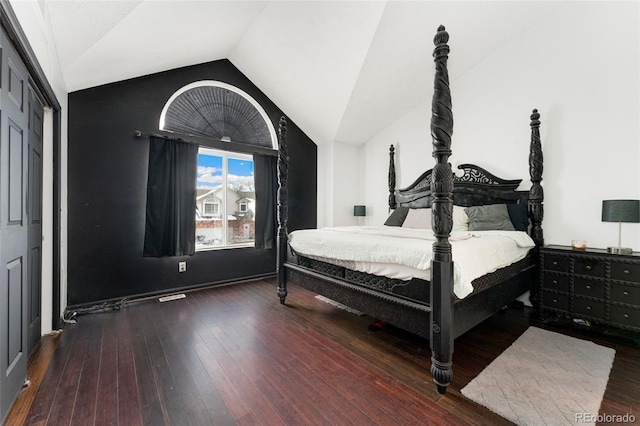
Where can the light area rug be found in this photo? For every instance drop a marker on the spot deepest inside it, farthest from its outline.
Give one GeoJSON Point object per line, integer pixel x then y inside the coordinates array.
{"type": "Point", "coordinates": [339, 305]}
{"type": "Point", "coordinates": [545, 378]}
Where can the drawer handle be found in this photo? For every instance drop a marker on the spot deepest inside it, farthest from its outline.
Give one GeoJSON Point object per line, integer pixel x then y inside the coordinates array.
{"type": "Point", "coordinates": [588, 267]}
{"type": "Point", "coordinates": [555, 263]}
{"type": "Point", "coordinates": [555, 300]}
{"type": "Point", "coordinates": [626, 293]}
{"type": "Point", "coordinates": [588, 308]}
{"type": "Point", "coordinates": [626, 315]}
{"type": "Point", "coordinates": [588, 287]}
{"type": "Point", "coordinates": [555, 281]}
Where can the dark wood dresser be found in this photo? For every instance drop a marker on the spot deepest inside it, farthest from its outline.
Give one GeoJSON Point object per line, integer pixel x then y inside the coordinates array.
{"type": "Point", "coordinates": [591, 285]}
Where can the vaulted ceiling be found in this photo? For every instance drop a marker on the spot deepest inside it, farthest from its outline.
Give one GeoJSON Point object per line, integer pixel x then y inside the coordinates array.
{"type": "Point", "coordinates": [342, 70]}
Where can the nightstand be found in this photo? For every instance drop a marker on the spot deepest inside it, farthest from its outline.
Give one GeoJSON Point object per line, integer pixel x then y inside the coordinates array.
{"type": "Point", "coordinates": [591, 285]}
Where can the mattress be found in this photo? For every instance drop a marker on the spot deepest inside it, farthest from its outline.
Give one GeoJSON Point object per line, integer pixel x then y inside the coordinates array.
{"type": "Point", "coordinates": [403, 253]}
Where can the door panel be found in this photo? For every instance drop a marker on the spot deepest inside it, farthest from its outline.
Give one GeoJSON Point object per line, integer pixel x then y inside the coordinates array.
{"type": "Point", "coordinates": [16, 175]}
{"type": "Point", "coordinates": [35, 280]}
{"type": "Point", "coordinates": [34, 215]}
{"type": "Point", "coordinates": [14, 164]}
{"type": "Point", "coordinates": [14, 299]}
{"type": "Point", "coordinates": [16, 82]}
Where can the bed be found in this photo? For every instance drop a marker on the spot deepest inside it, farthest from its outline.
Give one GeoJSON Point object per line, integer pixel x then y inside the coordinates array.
{"type": "Point", "coordinates": [427, 299]}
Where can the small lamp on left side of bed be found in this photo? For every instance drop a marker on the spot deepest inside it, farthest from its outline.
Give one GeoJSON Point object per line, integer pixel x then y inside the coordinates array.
{"type": "Point", "coordinates": [360, 212]}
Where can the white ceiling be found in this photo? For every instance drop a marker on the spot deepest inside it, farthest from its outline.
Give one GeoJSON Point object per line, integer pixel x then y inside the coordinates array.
{"type": "Point", "coordinates": [342, 70]}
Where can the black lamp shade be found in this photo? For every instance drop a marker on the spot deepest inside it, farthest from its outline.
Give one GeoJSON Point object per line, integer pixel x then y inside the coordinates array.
{"type": "Point", "coordinates": [359, 210]}
{"type": "Point", "coordinates": [621, 211]}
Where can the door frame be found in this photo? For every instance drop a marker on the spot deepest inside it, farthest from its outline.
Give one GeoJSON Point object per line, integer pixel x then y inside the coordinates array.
{"type": "Point", "coordinates": [14, 31]}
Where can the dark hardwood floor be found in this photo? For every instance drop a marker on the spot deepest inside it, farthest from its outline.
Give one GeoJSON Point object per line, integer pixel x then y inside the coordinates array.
{"type": "Point", "coordinates": [233, 355]}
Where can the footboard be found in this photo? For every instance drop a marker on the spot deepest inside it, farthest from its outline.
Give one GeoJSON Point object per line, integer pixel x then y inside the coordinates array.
{"type": "Point", "coordinates": [400, 312]}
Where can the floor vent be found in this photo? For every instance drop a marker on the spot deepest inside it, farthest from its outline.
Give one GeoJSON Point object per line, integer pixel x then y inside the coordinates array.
{"type": "Point", "coordinates": [172, 297]}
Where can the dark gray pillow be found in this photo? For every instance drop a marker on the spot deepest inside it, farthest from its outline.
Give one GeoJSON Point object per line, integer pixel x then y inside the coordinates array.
{"type": "Point", "coordinates": [396, 218]}
{"type": "Point", "coordinates": [494, 217]}
{"type": "Point", "coordinates": [519, 214]}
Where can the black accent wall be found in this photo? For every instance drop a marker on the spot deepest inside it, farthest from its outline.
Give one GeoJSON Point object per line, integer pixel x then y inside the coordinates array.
{"type": "Point", "coordinates": [107, 178]}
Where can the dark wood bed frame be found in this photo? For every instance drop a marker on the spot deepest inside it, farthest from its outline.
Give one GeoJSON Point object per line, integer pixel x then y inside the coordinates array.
{"type": "Point", "coordinates": [443, 317]}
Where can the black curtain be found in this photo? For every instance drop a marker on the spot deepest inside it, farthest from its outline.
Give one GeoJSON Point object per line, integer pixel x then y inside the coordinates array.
{"type": "Point", "coordinates": [266, 182]}
{"type": "Point", "coordinates": [171, 198]}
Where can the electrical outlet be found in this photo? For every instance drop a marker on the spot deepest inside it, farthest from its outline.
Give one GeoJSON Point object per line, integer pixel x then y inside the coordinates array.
{"type": "Point", "coordinates": [182, 266]}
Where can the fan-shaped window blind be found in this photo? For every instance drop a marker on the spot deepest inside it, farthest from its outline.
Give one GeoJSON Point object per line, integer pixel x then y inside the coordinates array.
{"type": "Point", "coordinates": [218, 110]}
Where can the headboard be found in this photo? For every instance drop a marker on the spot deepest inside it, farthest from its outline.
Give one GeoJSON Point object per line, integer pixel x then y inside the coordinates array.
{"type": "Point", "coordinates": [474, 188]}
{"type": "Point", "coordinates": [478, 187]}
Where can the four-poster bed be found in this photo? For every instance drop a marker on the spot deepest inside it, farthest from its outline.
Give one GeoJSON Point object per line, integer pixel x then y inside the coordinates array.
{"type": "Point", "coordinates": [427, 306]}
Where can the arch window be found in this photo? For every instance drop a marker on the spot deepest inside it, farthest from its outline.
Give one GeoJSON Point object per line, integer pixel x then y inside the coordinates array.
{"type": "Point", "coordinates": [217, 110]}
{"type": "Point", "coordinates": [220, 111]}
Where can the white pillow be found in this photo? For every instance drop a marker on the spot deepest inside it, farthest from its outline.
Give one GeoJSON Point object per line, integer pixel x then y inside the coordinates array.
{"type": "Point", "coordinates": [418, 218]}
{"type": "Point", "coordinates": [460, 219]}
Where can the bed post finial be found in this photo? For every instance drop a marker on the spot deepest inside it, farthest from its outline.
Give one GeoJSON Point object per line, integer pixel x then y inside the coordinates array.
{"type": "Point", "coordinates": [282, 200]}
{"type": "Point", "coordinates": [440, 39]}
{"type": "Point", "coordinates": [536, 193]}
{"type": "Point", "coordinates": [442, 299]}
{"type": "Point", "coordinates": [392, 179]}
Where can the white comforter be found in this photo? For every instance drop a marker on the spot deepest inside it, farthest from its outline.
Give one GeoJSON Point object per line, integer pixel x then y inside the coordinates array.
{"type": "Point", "coordinates": [475, 253]}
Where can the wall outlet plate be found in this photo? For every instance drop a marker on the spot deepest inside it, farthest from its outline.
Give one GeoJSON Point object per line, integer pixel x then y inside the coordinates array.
{"type": "Point", "coordinates": [182, 266]}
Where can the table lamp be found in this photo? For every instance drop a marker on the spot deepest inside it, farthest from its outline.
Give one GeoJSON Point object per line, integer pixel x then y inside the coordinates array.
{"type": "Point", "coordinates": [359, 212]}
{"type": "Point", "coordinates": [620, 211]}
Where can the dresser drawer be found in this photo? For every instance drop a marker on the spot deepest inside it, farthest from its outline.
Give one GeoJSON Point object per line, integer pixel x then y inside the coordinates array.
{"type": "Point", "coordinates": [593, 268]}
{"type": "Point", "coordinates": [625, 316]}
{"type": "Point", "coordinates": [625, 294]}
{"type": "Point", "coordinates": [625, 272]}
{"type": "Point", "coordinates": [556, 282]}
{"type": "Point", "coordinates": [588, 307]}
{"type": "Point", "coordinates": [555, 263]}
{"type": "Point", "coordinates": [588, 288]}
{"type": "Point", "coordinates": [556, 301]}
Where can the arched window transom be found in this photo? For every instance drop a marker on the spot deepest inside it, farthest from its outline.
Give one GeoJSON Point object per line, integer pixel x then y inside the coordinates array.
{"type": "Point", "coordinates": [218, 110]}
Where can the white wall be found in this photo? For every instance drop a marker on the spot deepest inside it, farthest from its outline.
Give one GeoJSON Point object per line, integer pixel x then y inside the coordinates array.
{"type": "Point", "coordinates": [346, 186]}
{"type": "Point", "coordinates": [339, 183]}
{"type": "Point", "coordinates": [580, 67]}
{"type": "Point", "coordinates": [37, 29]}
{"type": "Point", "coordinates": [325, 185]}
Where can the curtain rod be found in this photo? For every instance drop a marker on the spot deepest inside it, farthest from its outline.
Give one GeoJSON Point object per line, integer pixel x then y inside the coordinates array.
{"type": "Point", "coordinates": [226, 147]}
{"type": "Point", "coordinates": [140, 133]}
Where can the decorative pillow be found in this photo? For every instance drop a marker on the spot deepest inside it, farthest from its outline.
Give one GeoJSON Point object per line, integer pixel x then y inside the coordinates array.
{"type": "Point", "coordinates": [494, 217]}
{"type": "Point", "coordinates": [460, 219]}
{"type": "Point", "coordinates": [418, 218]}
{"type": "Point", "coordinates": [396, 218]}
{"type": "Point", "coordinates": [519, 215]}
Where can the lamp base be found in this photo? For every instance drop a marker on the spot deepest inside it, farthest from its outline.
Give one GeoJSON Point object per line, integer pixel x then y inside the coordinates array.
{"type": "Point", "coordinates": [620, 250]}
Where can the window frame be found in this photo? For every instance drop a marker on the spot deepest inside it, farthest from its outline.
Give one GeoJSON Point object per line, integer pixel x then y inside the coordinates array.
{"type": "Point", "coordinates": [222, 212]}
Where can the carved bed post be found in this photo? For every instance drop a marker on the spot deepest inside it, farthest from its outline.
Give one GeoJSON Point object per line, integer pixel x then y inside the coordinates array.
{"type": "Point", "coordinates": [536, 194]}
{"type": "Point", "coordinates": [442, 298]}
{"type": "Point", "coordinates": [536, 198]}
{"type": "Point", "coordinates": [282, 201]}
{"type": "Point", "coordinates": [392, 179]}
